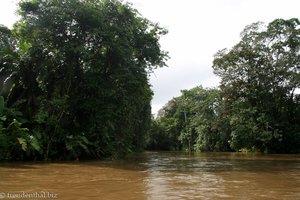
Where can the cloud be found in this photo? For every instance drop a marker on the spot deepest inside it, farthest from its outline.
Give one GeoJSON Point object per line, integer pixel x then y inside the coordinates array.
{"type": "Point", "coordinates": [168, 82]}
{"type": "Point", "coordinates": [197, 30]}
{"type": "Point", "coordinates": [8, 12]}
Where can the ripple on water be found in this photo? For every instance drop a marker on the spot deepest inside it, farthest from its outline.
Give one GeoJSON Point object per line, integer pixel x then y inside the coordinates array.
{"type": "Point", "coordinates": [161, 176]}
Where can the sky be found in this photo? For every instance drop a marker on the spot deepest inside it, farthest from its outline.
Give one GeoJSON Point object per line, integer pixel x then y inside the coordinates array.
{"type": "Point", "coordinates": [197, 30]}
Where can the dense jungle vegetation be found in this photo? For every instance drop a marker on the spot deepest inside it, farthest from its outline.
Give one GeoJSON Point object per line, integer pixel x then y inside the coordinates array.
{"type": "Point", "coordinates": [255, 108]}
{"type": "Point", "coordinates": [74, 80]}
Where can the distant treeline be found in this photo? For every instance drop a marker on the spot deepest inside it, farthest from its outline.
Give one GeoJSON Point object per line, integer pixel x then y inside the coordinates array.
{"type": "Point", "coordinates": [74, 80]}
{"type": "Point", "coordinates": [255, 108]}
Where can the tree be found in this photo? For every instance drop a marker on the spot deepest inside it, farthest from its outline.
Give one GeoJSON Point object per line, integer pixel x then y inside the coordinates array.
{"type": "Point", "coordinates": [259, 78]}
{"type": "Point", "coordinates": [81, 80]}
{"type": "Point", "coordinates": [257, 105]}
{"type": "Point", "coordinates": [166, 128]}
{"type": "Point", "coordinates": [8, 58]}
{"type": "Point", "coordinates": [193, 122]}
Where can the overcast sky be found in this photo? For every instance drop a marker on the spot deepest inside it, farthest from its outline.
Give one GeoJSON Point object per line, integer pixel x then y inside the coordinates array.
{"type": "Point", "coordinates": [197, 30]}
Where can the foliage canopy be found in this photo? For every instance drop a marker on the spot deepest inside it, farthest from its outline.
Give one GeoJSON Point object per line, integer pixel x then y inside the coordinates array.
{"type": "Point", "coordinates": [257, 106]}
{"type": "Point", "coordinates": [75, 79]}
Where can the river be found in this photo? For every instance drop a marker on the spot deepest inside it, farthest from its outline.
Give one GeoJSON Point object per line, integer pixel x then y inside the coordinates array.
{"type": "Point", "coordinates": [156, 175]}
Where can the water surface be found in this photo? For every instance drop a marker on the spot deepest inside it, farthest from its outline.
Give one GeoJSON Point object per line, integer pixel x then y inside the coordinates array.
{"type": "Point", "coordinates": [159, 175]}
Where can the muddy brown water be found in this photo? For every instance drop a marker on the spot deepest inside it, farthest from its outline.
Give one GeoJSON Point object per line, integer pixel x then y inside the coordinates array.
{"type": "Point", "coordinates": [156, 175]}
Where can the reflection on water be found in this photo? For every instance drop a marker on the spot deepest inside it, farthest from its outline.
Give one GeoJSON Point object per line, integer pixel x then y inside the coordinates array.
{"type": "Point", "coordinates": [161, 176]}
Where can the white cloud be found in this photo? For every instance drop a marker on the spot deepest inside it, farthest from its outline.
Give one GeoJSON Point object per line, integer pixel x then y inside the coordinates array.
{"type": "Point", "coordinates": [197, 30]}
{"type": "Point", "coordinates": [8, 12]}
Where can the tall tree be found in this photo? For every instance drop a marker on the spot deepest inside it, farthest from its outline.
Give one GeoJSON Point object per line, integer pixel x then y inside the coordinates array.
{"type": "Point", "coordinates": [82, 78]}
{"type": "Point", "coordinates": [259, 78]}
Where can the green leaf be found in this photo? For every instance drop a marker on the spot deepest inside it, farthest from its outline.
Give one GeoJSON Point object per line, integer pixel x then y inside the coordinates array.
{"type": "Point", "coordinates": [23, 143]}
{"type": "Point", "coordinates": [35, 143]}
